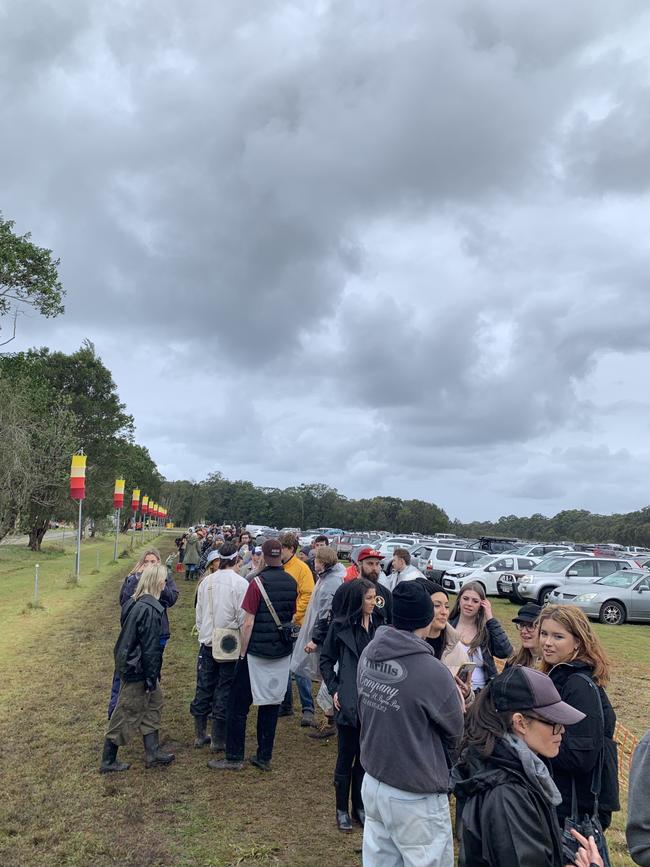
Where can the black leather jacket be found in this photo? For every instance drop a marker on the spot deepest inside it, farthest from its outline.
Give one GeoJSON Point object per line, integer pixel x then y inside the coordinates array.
{"type": "Point", "coordinates": [138, 655]}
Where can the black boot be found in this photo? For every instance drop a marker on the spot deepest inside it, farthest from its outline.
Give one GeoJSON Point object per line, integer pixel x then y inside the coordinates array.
{"type": "Point", "coordinates": [342, 789]}
{"type": "Point", "coordinates": [358, 810]}
{"type": "Point", "coordinates": [201, 739]}
{"type": "Point", "coordinates": [109, 759]}
{"type": "Point", "coordinates": [152, 754]}
{"type": "Point", "coordinates": [218, 736]}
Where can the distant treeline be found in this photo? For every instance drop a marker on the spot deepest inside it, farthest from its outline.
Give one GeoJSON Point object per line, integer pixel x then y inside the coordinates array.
{"type": "Point", "coordinates": [317, 505]}
{"type": "Point", "coordinates": [306, 506]}
{"type": "Point", "coordinates": [575, 525]}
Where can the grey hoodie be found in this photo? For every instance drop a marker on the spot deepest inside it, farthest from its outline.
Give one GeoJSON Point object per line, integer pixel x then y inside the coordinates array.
{"type": "Point", "coordinates": [638, 804]}
{"type": "Point", "coordinates": [409, 710]}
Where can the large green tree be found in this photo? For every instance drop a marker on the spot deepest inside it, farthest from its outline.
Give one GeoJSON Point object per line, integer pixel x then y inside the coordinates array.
{"type": "Point", "coordinates": [97, 422]}
{"type": "Point", "coordinates": [28, 276]}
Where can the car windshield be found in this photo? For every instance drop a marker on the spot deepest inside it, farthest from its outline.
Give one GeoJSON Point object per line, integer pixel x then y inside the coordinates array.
{"type": "Point", "coordinates": [625, 578]}
{"type": "Point", "coordinates": [551, 564]}
{"type": "Point", "coordinates": [484, 561]}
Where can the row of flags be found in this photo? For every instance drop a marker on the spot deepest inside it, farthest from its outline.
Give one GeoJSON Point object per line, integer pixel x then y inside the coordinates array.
{"type": "Point", "coordinates": [78, 491]}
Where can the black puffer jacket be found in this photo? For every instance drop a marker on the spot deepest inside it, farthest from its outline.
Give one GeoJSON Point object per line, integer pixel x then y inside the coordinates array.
{"type": "Point", "coordinates": [344, 644]}
{"type": "Point", "coordinates": [583, 742]}
{"type": "Point", "coordinates": [497, 644]}
{"type": "Point", "coordinates": [507, 820]}
{"type": "Point", "coordinates": [282, 590]}
{"type": "Point", "coordinates": [138, 655]}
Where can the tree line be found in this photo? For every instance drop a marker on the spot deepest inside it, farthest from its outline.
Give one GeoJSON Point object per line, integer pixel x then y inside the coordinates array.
{"type": "Point", "coordinates": [574, 525]}
{"type": "Point", "coordinates": [316, 505]}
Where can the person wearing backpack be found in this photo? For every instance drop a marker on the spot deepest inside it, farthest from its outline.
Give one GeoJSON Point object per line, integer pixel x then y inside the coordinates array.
{"type": "Point", "coordinates": [575, 660]}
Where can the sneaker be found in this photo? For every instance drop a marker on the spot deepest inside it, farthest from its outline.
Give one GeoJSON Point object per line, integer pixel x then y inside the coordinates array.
{"type": "Point", "coordinates": [260, 763]}
{"type": "Point", "coordinates": [225, 765]}
{"type": "Point", "coordinates": [285, 711]}
{"type": "Point", "coordinates": [307, 719]}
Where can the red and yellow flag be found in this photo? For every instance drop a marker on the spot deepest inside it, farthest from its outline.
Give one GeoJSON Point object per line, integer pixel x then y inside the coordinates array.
{"type": "Point", "coordinates": [78, 477]}
{"type": "Point", "coordinates": [118, 494]}
{"type": "Point", "coordinates": [145, 505]}
{"type": "Point", "coordinates": [135, 500]}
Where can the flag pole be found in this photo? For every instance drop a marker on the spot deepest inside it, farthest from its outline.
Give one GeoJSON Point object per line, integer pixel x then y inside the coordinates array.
{"type": "Point", "coordinates": [78, 558]}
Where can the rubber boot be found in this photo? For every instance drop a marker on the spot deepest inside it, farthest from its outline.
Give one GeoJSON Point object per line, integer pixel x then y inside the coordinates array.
{"type": "Point", "coordinates": [201, 739]}
{"type": "Point", "coordinates": [218, 736]}
{"type": "Point", "coordinates": [110, 763]}
{"type": "Point", "coordinates": [342, 789]}
{"type": "Point", "coordinates": [152, 754]}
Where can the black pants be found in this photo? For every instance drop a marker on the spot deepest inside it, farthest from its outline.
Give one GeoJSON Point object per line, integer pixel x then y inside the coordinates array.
{"type": "Point", "coordinates": [213, 684]}
{"type": "Point", "coordinates": [349, 772]}
{"type": "Point", "coordinates": [241, 698]}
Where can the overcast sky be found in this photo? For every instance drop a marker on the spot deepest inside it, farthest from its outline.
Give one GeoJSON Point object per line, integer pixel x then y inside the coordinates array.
{"type": "Point", "coordinates": [398, 247]}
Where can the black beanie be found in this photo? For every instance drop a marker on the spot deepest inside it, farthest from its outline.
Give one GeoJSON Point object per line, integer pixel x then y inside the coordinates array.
{"type": "Point", "coordinates": [432, 587]}
{"type": "Point", "coordinates": [412, 606]}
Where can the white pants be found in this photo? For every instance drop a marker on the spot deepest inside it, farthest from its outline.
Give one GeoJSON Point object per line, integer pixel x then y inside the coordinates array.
{"type": "Point", "coordinates": [405, 829]}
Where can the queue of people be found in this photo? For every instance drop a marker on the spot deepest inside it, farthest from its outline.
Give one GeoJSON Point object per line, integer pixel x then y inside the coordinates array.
{"type": "Point", "coordinates": [410, 687]}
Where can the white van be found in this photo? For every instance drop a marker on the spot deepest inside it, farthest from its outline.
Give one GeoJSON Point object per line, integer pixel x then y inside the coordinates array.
{"type": "Point", "coordinates": [443, 557]}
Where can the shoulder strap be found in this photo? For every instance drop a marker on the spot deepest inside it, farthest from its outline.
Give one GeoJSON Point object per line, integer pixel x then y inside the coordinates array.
{"type": "Point", "coordinates": [265, 596]}
{"type": "Point", "coordinates": [596, 779]}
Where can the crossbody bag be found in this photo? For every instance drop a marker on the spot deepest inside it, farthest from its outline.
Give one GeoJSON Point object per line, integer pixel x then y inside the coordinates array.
{"type": "Point", "coordinates": [286, 630]}
{"type": "Point", "coordinates": [226, 642]}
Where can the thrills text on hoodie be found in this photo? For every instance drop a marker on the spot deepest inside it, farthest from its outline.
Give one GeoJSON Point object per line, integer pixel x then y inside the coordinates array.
{"type": "Point", "coordinates": [410, 712]}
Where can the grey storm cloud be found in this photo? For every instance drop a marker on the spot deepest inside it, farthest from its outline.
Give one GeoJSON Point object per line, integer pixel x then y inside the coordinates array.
{"type": "Point", "coordinates": [398, 239]}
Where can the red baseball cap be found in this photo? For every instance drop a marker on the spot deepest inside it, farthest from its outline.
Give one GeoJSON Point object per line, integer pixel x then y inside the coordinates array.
{"type": "Point", "coordinates": [366, 553]}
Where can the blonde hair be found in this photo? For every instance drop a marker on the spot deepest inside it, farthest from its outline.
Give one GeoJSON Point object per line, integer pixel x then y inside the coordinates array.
{"type": "Point", "coordinates": [151, 581]}
{"type": "Point", "coordinates": [326, 555]}
{"type": "Point", "coordinates": [590, 649]}
{"type": "Point", "coordinates": [139, 566]}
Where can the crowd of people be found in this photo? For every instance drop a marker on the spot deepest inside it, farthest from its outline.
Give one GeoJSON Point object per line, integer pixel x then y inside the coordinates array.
{"type": "Point", "coordinates": [410, 686]}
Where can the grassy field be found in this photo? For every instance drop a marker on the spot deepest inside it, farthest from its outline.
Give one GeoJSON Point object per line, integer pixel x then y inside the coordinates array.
{"type": "Point", "coordinates": [56, 809]}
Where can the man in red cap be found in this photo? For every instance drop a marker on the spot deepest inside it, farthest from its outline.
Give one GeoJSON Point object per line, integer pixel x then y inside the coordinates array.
{"type": "Point", "coordinates": [369, 562]}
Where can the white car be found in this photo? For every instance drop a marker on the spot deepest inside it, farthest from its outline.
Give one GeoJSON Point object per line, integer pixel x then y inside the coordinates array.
{"type": "Point", "coordinates": [387, 546]}
{"type": "Point", "coordinates": [487, 572]}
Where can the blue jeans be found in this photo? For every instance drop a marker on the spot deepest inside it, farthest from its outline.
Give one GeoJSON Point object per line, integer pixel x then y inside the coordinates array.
{"type": "Point", "coordinates": [304, 691]}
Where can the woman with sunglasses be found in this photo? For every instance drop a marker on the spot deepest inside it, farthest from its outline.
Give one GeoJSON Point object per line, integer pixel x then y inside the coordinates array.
{"type": "Point", "coordinates": [528, 653]}
{"type": "Point", "coordinates": [508, 795]}
{"type": "Point", "coordinates": [576, 662]}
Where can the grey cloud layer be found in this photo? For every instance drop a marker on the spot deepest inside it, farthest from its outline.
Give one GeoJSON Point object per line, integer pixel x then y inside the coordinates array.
{"type": "Point", "coordinates": [393, 213]}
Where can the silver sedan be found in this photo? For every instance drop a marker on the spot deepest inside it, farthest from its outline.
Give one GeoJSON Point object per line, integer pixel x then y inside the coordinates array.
{"type": "Point", "coordinates": [618, 597]}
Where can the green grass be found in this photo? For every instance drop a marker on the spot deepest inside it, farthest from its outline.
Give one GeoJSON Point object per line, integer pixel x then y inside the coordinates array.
{"type": "Point", "coordinates": [56, 809]}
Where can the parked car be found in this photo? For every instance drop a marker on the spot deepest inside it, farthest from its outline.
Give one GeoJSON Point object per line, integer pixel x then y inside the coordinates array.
{"type": "Point", "coordinates": [348, 541]}
{"type": "Point", "coordinates": [494, 544]}
{"type": "Point", "coordinates": [443, 557]}
{"type": "Point", "coordinates": [487, 572]}
{"type": "Point", "coordinates": [540, 550]}
{"type": "Point", "coordinates": [388, 545]}
{"type": "Point", "coordinates": [419, 552]}
{"type": "Point", "coordinates": [538, 584]}
{"type": "Point", "coordinates": [617, 598]}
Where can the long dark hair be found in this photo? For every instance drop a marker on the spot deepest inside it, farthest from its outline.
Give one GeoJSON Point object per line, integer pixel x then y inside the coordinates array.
{"type": "Point", "coordinates": [482, 635]}
{"type": "Point", "coordinates": [349, 605]}
{"type": "Point", "coordinates": [484, 724]}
